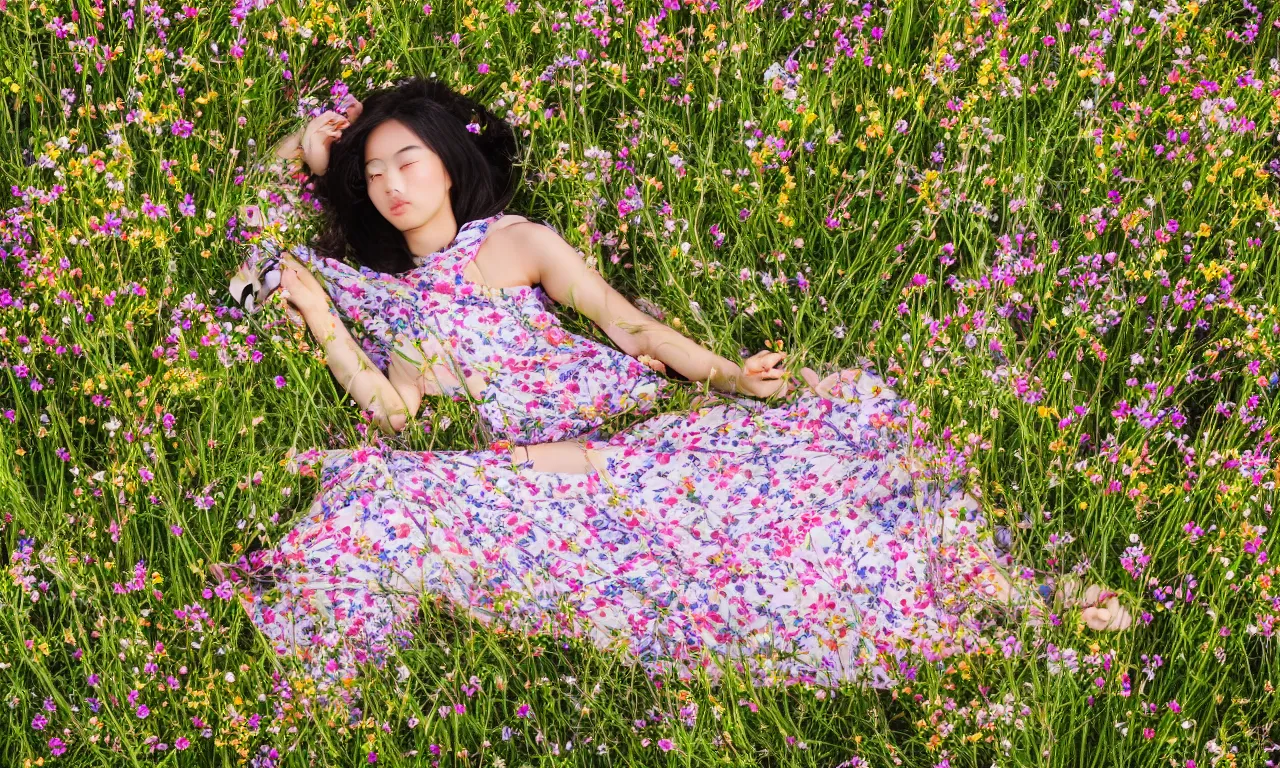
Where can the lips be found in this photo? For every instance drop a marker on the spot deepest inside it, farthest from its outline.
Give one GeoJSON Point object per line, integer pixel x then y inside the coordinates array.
{"type": "Point", "coordinates": [400, 206]}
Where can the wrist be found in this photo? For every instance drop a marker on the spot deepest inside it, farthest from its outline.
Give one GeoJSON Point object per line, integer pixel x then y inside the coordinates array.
{"type": "Point", "coordinates": [729, 379]}
{"type": "Point", "coordinates": [290, 147]}
{"type": "Point", "coordinates": [318, 317]}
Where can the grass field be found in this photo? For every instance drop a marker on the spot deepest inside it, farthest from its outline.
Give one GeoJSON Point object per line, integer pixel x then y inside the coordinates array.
{"type": "Point", "coordinates": [1054, 224]}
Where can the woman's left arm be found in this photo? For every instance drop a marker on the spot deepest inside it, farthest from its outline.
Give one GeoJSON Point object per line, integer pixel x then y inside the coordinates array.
{"type": "Point", "coordinates": [568, 280]}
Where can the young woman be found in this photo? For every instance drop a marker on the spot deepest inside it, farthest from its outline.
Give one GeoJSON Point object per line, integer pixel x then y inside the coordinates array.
{"type": "Point", "coordinates": [795, 543]}
{"type": "Point", "coordinates": [449, 295]}
{"type": "Point", "coordinates": [800, 542]}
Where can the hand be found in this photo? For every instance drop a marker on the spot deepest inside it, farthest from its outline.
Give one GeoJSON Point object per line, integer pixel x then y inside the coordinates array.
{"type": "Point", "coordinates": [653, 363]}
{"type": "Point", "coordinates": [422, 364]}
{"type": "Point", "coordinates": [1103, 610]}
{"type": "Point", "coordinates": [320, 134]}
{"type": "Point", "coordinates": [825, 387]}
{"type": "Point", "coordinates": [304, 291]}
{"type": "Point", "coordinates": [761, 377]}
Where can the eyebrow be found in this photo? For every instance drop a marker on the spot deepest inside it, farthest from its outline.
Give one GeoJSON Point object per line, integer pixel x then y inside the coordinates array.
{"type": "Point", "coordinates": [398, 153]}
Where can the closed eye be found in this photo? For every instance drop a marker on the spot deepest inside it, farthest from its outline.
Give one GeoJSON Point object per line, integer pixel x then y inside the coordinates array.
{"type": "Point", "coordinates": [406, 165]}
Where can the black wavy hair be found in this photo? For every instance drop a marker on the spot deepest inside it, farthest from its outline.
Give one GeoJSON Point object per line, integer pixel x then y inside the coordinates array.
{"type": "Point", "coordinates": [482, 167]}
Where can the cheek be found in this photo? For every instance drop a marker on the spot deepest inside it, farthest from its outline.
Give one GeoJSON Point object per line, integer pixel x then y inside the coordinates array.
{"type": "Point", "coordinates": [437, 176]}
{"type": "Point", "coordinates": [430, 179]}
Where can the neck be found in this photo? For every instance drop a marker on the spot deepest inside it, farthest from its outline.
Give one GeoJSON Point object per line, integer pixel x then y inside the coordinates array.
{"type": "Point", "coordinates": [433, 236]}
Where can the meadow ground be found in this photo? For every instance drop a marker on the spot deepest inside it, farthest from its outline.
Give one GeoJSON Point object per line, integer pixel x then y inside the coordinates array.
{"type": "Point", "coordinates": [1053, 224]}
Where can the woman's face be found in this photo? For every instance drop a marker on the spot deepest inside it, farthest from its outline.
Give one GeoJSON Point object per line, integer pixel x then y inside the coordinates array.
{"type": "Point", "coordinates": [408, 183]}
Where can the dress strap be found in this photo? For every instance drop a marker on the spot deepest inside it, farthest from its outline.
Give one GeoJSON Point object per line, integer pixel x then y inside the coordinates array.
{"type": "Point", "coordinates": [467, 244]}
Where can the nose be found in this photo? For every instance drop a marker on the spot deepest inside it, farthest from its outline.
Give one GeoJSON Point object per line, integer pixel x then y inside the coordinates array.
{"type": "Point", "coordinates": [394, 184]}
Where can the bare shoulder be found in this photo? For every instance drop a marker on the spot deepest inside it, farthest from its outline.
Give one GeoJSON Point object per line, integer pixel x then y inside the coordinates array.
{"type": "Point", "coordinates": [515, 248]}
{"type": "Point", "coordinates": [508, 220]}
{"type": "Point", "coordinates": [518, 231]}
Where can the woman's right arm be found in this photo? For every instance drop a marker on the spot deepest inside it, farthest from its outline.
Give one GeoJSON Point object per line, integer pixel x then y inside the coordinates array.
{"type": "Point", "coordinates": [392, 400]}
{"type": "Point", "coordinates": [391, 405]}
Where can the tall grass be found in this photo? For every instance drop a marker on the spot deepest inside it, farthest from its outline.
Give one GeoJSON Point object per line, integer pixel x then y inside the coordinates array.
{"type": "Point", "coordinates": [1053, 224]}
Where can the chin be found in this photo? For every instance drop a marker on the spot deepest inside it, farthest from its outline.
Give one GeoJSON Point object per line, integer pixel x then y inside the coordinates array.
{"type": "Point", "coordinates": [402, 223]}
{"type": "Point", "coordinates": [411, 224]}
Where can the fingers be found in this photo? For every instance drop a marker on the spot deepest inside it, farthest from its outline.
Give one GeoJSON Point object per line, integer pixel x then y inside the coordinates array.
{"type": "Point", "coordinates": [653, 363]}
{"type": "Point", "coordinates": [289, 280]}
{"type": "Point", "coordinates": [762, 362]}
{"type": "Point", "coordinates": [1100, 608]}
{"type": "Point", "coordinates": [768, 359]}
{"type": "Point", "coordinates": [298, 279]}
{"type": "Point", "coordinates": [328, 135]}
{"type": "Point", "coordinates": [811, 378]}
{"type": "Point", "coordinates": [328, 124]}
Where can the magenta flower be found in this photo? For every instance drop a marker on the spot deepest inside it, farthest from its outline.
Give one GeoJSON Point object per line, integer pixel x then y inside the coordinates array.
{"type": "Point", "coordinates": [57, 746]}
